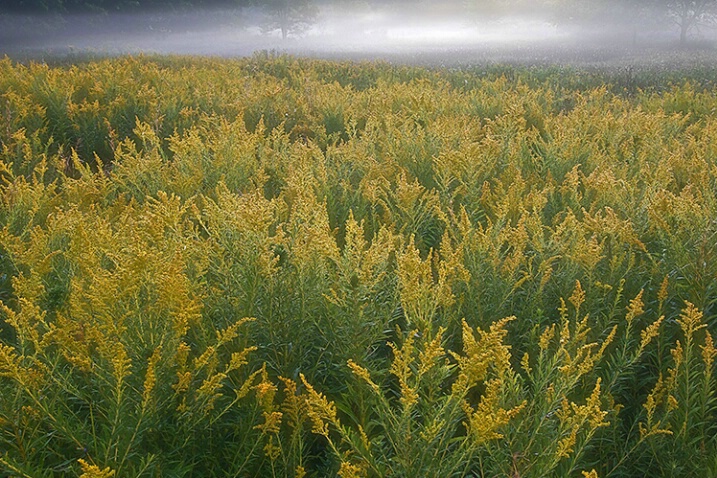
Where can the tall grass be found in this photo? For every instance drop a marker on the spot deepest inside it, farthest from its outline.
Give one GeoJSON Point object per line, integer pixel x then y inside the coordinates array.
{"type": "Point", "coordinates": [283, 267]}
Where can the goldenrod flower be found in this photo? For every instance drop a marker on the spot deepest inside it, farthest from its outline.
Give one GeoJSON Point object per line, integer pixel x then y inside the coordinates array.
{"type": "Point", "coordinates": [636, 308]}
{"type": "Point", "coordinates": [690, 320]}
{"type": "Point", "coordinates": [94, 471]}
{"type": "Point", "coordinates": [322, 412]}
{"type": "Point", "coordinates": [350, 470]}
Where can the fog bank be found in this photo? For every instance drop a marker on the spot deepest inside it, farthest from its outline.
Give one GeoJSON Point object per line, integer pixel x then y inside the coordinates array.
{"type": "Point", "coordinates": [440, 35]}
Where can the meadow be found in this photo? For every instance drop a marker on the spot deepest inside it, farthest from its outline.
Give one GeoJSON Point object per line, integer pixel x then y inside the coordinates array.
{"type": "Point", "coordinates": [286, 267]}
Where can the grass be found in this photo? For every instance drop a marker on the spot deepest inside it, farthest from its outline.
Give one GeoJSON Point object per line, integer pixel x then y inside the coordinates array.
{"type": "Point", "coordinates": [286, 267]}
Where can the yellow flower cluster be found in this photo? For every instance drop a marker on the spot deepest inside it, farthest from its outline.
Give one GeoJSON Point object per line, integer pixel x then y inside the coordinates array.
{"type": "Point", "coordinates": [309, 261]}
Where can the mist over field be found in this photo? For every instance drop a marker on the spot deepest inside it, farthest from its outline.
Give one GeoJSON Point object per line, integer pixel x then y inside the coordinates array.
{"type": "Point", "coordinates": [492, 251]}
{"type": "Point", "coordinates": [412, 31]}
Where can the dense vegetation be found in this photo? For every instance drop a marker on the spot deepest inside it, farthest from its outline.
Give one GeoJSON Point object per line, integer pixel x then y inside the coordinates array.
{"type": "Point", "coordinates": [280, 267]}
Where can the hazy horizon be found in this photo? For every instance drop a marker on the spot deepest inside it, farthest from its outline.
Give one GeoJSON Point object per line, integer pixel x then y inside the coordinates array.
{"type": "Point", "coordinates": [336, 31]}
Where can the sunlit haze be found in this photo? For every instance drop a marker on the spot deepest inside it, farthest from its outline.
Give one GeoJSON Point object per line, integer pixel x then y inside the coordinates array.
{"type": "Point", "coordinates": [336, 31]}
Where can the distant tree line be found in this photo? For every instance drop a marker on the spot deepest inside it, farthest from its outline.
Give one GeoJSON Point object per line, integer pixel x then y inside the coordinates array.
{"type": "Point", "coordinates": [293, 16]}
{"type": "Point", "coordinates": [84, 6]}
{"type": "Point", "coordinates": [686, 15]}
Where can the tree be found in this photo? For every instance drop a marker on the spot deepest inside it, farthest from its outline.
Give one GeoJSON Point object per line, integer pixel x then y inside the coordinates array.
{"type": "Point", "coordinates": [30, 6]}
{"type": "Point", "coordinates": [689, 14]}
{"type": "Point", "coordinates": [633, 16]}
{"type": "Point", "coordinates": [291, 17]}
{"type": "Point", "coordinates": [609, 19]}
{"type": "Point", "coordinates": [83, 6]}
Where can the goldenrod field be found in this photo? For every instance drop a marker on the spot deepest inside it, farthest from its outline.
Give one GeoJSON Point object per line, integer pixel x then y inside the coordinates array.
{"type": "Point", "coordinates": [277, 267]}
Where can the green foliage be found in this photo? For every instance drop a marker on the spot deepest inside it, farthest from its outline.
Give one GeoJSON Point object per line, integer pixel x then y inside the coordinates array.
{"type": "Point", "coordinates": [284, 267]}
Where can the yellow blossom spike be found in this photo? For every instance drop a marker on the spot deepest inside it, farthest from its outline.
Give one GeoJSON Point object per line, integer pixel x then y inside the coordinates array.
{"type": "Point", "coordinates": [271, 450]}
{"type": "Point", "coordinates": [690, 320]}
{"type": "Point", "coordinates": [272, 422]}
{"type": "Point", "coordinates": [363, 374]}
{"type": "Point", "coordinates": [485, 422]}
{"type": "Point", "coordinates": [321, 411]}
{"type": "Point", "coordinates": [578, 297]}
{"type": "Point", "coordinates": [150, 379]}
{"type": "Point", "coordinates": [649, 333]}
{"type": "Point", "coordinates": [662, 294]}
{"type": "Point", "coordinates": [293, 406]}
{"type": "Point", "coordinates": [350, 470]}
{"type": "Point", "coordinates": [431, 353]}
{"type": "Point", "coordinates": [636, 307]}
{"type": "Point", "coordinates": [94, 471]}
{"type": "Point", "coordinates": [546, 337]}
{"type": "Point", "coordinates": [708, 353]}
